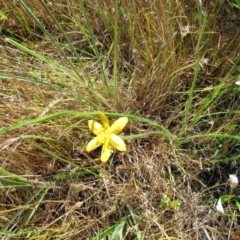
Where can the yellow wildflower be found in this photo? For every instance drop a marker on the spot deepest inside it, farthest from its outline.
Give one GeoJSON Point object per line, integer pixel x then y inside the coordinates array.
{"type": "Point", "coordinates": [106, 136]}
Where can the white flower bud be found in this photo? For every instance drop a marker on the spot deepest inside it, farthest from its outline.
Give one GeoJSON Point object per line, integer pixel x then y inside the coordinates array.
{"type": "Point", "coordinates": [237, 83]}
{"type": "Point", "coordinates": [233, 181]}
{"type": "Point", "coordinates": [219, 206]}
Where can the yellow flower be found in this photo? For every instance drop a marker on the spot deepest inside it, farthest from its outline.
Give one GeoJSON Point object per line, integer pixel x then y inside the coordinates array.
{"type": "Point", "coordinates": [106, 135]}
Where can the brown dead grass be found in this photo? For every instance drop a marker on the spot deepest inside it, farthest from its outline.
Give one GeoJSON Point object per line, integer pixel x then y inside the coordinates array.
{"type": "Point", "coordinates": [156, 67]}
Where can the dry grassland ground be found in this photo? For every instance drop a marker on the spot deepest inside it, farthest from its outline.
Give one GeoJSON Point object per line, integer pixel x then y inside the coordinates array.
{"type": "Point", "coordinates": [177, 64]}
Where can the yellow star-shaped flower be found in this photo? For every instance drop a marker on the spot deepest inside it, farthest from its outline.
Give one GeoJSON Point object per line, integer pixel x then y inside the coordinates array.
{"type": "Point", "coordinates": [106, 135]}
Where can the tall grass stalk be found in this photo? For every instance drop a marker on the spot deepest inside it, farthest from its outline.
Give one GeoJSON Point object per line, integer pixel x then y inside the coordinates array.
{"type": "Point", "coordinates": [95, 94]}
{"type": "Point", "coordinates": [203, 22]}
{"type": "Point", "coordinates": [115, 45]}
{"type": "Point", "coordinates": [39, 23]}
{"type": "Point", "coordinates": [92, 43]}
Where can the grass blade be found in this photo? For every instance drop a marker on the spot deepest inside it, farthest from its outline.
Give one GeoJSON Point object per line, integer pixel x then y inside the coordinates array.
{"type": "Point", "coordinates": [9, 174]}
{"type": "Point", "coordinates": [21, 210]}
{"type": "Point", "coordinates": [38, 22]}
{"type": "Point", "coordinates": [84, 114]}
{"type": "Point", "coordinates": [31, 212]}
{"type": "Point", "coordinates": [198, 59]}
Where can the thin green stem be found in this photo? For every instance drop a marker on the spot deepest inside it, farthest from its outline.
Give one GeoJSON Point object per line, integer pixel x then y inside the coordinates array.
{"type": "Point", "coordinates": [198, 59]}
{"type": "Point", "coordinates": [115, 61]}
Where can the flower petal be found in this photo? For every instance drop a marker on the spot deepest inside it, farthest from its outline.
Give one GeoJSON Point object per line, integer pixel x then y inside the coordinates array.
{"type": "Point", "coordinates": [93, 144]}
{"type": "Point", "coordinates": [106, 152]}
{"type": "Point", "coordinates": [219, 206]}
{"type": "Point", "coordinates": [118, 125]}
{"type": "Point", "coordinates": [95, 127]}
{"type": "Point", "coordinates": [104, 120]}
{"type": "Point", "coordinates": [118, 143]}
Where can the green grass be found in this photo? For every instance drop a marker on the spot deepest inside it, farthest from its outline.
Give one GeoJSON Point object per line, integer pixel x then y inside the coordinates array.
{"type": "Point", "coordinates": [170, 67]}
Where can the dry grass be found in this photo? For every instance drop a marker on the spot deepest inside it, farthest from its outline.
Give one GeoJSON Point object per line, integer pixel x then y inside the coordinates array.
{"type": "Point", "coordinates": [162, 187]}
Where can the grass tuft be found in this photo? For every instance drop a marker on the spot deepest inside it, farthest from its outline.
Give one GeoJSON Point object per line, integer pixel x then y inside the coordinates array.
{"type": "Point", "coordinates": [170, 67]}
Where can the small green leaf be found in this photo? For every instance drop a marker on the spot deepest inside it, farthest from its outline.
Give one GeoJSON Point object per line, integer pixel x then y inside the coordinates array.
{"type": "Point", "coordinates": [237, 4]}
{"type": "Point", "coordinates": [238, 205]}
{"type": "Point", "coordinates": [164, 202]}
{"type": "Point", "coordinates": [175, 204]}
{"type": "Point", "coordinates": [226, 198]}
{"type": "Point", "coordinates": [2, 16]}
{"type": "Point", "coordinates": [118, 231]}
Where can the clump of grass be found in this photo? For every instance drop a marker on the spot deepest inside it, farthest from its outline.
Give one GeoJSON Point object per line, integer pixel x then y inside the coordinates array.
{"type": "Point", "coordinates": [170, 67]}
